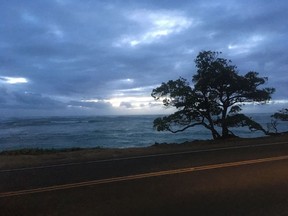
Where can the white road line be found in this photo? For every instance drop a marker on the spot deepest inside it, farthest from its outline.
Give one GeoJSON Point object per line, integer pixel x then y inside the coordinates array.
{"type": "Point", "coordinates": [140, 176]}
{"type": "Point", "coordinates": [143, 156]}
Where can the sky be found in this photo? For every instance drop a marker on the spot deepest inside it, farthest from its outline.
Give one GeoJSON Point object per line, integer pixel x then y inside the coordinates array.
{"type": "Point", "coordinates": [94, 57]}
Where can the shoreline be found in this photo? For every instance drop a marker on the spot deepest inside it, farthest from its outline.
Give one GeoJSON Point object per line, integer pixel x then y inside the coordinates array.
{"type": "Point", "coordinates": [44, 157]}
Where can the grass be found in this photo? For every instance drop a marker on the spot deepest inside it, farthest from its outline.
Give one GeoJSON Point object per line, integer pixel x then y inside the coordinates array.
{"type": "Point", "coordinates": [38, 151]}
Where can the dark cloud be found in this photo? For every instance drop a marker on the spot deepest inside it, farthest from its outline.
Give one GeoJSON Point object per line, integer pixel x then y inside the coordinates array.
{"type": "Point", "coordinates": [26, 100]}
{"type": "Point", "coordinates": [73, 51]}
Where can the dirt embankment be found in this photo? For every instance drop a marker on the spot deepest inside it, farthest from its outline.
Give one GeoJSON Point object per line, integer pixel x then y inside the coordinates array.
{"type": "Point", "coordinates": [34, 158]}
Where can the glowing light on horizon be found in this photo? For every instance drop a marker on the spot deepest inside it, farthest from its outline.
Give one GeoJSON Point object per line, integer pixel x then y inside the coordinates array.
{"type": "Point", "coordinates": [136, 102]}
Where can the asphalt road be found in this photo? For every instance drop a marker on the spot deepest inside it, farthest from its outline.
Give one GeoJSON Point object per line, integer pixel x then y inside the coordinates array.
{"type": "Point", "coordinates": [236, 181]}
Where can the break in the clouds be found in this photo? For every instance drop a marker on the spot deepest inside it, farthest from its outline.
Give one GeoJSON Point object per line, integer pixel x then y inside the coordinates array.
{"type": "Point", "coordinates": [153, 26]}
{"type": "Point", "coordinates": [66, 57]}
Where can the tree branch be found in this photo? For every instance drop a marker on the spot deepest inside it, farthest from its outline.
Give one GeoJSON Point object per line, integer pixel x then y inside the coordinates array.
{"type": "Point", "coordinates": [183, 129]}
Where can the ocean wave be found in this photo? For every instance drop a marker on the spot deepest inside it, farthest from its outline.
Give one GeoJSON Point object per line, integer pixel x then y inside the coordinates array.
{"type": "Point", "coordinates": [107, 131]}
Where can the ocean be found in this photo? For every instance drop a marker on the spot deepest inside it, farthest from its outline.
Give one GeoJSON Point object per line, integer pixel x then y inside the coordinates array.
{"type": "Point", "coordinates": [102, 131]}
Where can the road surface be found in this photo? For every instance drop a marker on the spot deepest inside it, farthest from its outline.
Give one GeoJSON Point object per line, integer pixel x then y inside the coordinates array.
{"type": "Point", "coordinates": [229, 181]}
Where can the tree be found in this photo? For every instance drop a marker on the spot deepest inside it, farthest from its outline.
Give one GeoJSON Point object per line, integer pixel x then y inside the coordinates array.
{"type": "Point", "coordinates": [214, 101]}
{"type": "Point", "coordinates": [281, 115]}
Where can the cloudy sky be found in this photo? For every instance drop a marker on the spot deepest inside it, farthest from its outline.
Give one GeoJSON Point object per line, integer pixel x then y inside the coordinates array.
{"type": "Point", "coordinates": [71, 57]}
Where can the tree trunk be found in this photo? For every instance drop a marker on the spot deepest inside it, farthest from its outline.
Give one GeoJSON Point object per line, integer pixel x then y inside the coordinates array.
{"type": "Point", "coordinates": [215, 134]}
{"type": "Point", "coordinates": [225, 131]}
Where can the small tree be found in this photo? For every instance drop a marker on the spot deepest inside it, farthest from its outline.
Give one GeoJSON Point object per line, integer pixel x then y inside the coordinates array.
{"type": "Point", "coordinates": [214, 100]}
{"type": "Point", "coordinates": [281, 115]}
{"type": "Point", "coordinates": [272, 127]}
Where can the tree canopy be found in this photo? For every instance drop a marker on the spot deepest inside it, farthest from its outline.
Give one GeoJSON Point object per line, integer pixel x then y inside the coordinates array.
{"type": "Point", "coordinates": [215, 99]}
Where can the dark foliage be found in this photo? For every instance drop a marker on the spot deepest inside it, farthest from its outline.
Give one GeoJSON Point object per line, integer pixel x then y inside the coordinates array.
{"type": "Point", "coordinates": [281, 115]}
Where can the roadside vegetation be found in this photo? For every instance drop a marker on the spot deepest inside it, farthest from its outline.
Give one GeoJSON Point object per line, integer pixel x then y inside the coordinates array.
{"type": "Point", "coordinates": [38, 151]}
{"type": "Point", "coordinates": [281, 115]}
